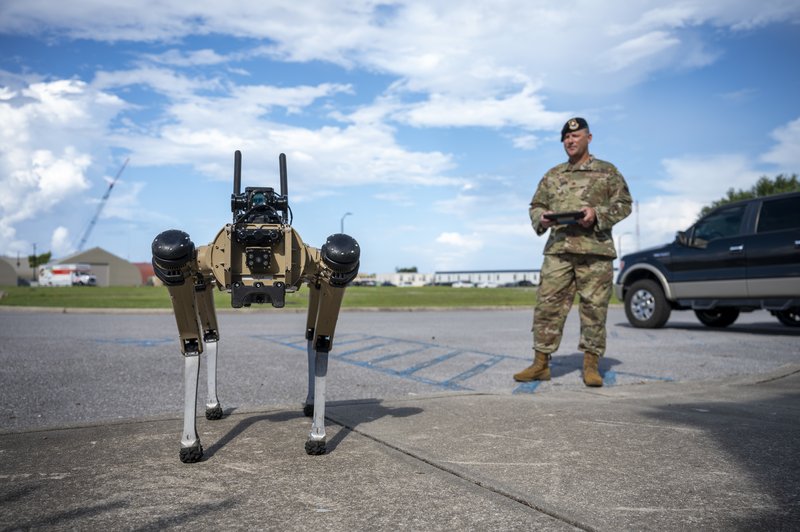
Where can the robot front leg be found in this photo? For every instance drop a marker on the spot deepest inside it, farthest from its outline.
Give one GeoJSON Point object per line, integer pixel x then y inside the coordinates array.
{"type": "Point", "coordinates": [191, 450]}
{"type": "Point", "coordinates": [327, 312]}
{"type": "Point", "coordinates": [174, 264]}
{"type": "Point", "coordinates": [316, 443]}
{"type": "Point", "coordinates": [191, 347]}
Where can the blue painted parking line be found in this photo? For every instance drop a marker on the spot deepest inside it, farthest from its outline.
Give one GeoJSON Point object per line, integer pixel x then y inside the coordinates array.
{"type": "Point", "coordinates": [386, 358]}
{"type": "Point", "coordinates": [428, 363]}
{"type": "Point", "coordinates": [410, 376]}
{"type": "Point", "coordinates": [415, 349]}
{"type": "Point", "coordinates": [374, 352]}
{"type": "Point", "coordinates": [362, 349]}
{"type": "Point", "coordinates": [475, 370]}
{"type": "Point", "coordinates": [526, 387]}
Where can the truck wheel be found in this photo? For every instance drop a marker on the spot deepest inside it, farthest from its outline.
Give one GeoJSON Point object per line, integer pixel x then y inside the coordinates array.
{"type": "Point", "coordinates": [790, 318]}
{"type": "Point", "coordinates": [646, 306]}
{"type": "Point", "coordinates": [717, 317]}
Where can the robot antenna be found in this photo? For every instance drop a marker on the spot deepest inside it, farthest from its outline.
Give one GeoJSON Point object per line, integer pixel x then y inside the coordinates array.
{"type": "Point", "coordinates": [284, 184]}
{"type": "Point", "coordinates": [237, 173]}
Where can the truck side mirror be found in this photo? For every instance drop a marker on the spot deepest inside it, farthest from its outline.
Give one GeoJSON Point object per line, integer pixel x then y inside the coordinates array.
{"type": "Point", "coordinates": [682, 239]}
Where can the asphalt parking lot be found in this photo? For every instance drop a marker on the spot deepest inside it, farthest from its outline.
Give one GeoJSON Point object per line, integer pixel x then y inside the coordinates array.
{"type": "Point", "coordinates": [694, 429]}
{"type": "Point", "coordinates": [62, 368]}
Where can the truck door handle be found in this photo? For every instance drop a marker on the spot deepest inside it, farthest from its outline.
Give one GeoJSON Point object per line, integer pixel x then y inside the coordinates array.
{"type": "Point", "coordinates": [797, 243]}
{"type": "Point", "coordinates": [736, 249]}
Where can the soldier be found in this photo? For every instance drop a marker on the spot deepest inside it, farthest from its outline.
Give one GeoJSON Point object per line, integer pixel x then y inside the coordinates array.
{"type": "Point", "coordinates": [578, 256]}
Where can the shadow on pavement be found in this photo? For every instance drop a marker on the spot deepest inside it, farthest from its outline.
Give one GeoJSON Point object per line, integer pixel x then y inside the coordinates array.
{"type": "Point", "coordinates": [246, 423]}
{"type": "Point", "coordinates": [563, 365]}
{"type": "Point", "coordinates": [375, 411]}
{"type": "Point", "coordinates": [761, 438]}
{"type": "Point", "coordinates": [763, 328]}
{"type": "Point", "coordinates": [357, 416]}
{"type": "Point", "coordinates": [62, 519]}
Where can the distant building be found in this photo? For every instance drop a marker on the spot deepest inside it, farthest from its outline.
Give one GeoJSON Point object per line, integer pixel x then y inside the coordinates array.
{"type": "Point", "coordinates": [487, 278]}
{"type": "Point", "coordinates": [490, 278]}
{"type": "Point", "coordinates": [109, 269]}
{"type": "Point", "coordinates": [8, 275]}
{"type": "Point", "coordinates": [23, 271]}
{"type": "Point", "coordinates": [404, 279]}
{"type": "Point", "coordinates": [148, 275]}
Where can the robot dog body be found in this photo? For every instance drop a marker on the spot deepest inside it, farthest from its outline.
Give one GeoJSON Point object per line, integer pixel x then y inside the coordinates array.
{"type": "Point", "coordinates": [257, 259]}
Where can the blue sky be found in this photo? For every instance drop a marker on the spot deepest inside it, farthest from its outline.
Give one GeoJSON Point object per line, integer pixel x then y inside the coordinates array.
{"type": "Point", "coordinates": [430, 122]}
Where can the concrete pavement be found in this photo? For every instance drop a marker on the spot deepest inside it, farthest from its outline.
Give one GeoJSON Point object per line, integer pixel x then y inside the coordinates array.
{"type": "Point", "coordinates": [718, 455]}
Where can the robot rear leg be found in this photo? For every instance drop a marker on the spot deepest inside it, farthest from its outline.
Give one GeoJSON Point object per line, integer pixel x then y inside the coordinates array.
{"type": "Point", "coordinates": [204, 296]}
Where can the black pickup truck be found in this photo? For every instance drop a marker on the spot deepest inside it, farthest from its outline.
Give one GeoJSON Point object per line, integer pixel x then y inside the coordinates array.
{"type": "Point", "coordinates": [740, 257]}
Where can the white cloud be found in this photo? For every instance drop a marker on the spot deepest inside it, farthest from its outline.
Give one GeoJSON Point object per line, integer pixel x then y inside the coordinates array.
{"type": "Point", "coordinates": [657, 221]}
{"type": "Point", "coordinates": [525, 142]}
{"type": "Point", "coordinates": [465, 51]}
{"type": "Point", "coordinates": [524, 108]}
{"type": "Point", "coordinates": [48, 180]}
{"type": "Point", "coordinates": [61, 243]}
{"type": "Point", "coordinates": [468, 242]}
{"type": "Point", "coordinates": [453, 249]}
{"type": "Point", "coordinates": [51, 133]}
{"type": "Point", "coordinates": [708, 178]}
{"type": "Point", "coordinates": [159, 79]}
{"type": "Point", "coordinates": [786, 154]}
{"type": "Point", "coordinates": [639, 50]}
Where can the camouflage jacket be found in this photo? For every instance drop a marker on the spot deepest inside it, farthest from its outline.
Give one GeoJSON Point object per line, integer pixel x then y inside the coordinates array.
{"type": "Point", "coordinates": [565, 187]}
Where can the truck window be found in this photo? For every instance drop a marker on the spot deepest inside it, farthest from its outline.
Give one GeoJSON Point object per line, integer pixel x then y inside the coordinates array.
{"type": "Point", "coordinates": [720, 224]}
{"type": "Point", "coordinates": [779, 215]}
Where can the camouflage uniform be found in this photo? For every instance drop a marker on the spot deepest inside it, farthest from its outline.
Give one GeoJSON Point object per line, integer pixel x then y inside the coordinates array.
{"type": "Point", "coordinates": [577, 259]}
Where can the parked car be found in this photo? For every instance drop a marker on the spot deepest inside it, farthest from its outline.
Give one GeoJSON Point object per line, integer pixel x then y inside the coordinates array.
{"type": "Point", "coordinates": [740, 257]}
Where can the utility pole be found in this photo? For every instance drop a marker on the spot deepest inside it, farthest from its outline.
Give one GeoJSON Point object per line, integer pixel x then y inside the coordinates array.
{"type": "Point", "coordinates": [34, 262]}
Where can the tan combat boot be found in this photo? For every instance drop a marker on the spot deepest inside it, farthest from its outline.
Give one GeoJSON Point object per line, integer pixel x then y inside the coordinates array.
{"type": "Point", "coordinates": [538, 371]}
{"type": "Point", "coordinates": [591, 375]}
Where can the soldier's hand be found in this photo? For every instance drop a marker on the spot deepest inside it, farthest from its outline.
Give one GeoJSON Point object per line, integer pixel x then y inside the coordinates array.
{"type": "Point", "coordinates": [546, 222]}
{"type": "Point", "coordinates": [589, 217]}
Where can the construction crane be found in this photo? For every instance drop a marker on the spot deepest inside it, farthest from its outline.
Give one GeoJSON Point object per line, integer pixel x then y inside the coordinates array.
{"type": "Point", "coordinates": [102, 204]}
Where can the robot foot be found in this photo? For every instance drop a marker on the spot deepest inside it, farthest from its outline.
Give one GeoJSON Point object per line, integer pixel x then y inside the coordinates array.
{"type": "Point", "coordinates": [308, 409]}
{"type": "Point", "coordinates": [193, 454]}
{"type": "Point", "coordinates": [214, 412]}
{"type": "Point", "coordinates": [315, 447]}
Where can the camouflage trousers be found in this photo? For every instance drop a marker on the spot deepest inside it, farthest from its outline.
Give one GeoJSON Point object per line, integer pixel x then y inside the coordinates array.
{"type": "Point", "coordinates": [563, 276]}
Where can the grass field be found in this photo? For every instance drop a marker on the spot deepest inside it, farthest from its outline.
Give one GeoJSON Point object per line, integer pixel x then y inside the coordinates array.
{"type": "Point", "coordinates": [151, 297]}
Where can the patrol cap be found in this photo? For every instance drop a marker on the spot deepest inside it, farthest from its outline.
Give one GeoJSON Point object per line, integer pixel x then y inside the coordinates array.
{"type": "Point", "coordinates": [573, 124]}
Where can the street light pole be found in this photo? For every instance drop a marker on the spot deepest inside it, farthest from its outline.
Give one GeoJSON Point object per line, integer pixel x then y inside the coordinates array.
{"type": "Point", "coordinates": [619, 243]}
{"type": "Point", "coordinates": [342, 222]}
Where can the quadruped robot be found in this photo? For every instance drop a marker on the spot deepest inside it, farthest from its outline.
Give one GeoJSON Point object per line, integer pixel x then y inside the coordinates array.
{"type": "Point", "coordinates": [257, 259]}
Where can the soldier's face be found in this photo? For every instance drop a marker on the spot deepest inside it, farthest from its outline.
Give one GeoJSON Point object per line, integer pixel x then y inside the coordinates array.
{"type": "Point", "coordinates": [576, 143]}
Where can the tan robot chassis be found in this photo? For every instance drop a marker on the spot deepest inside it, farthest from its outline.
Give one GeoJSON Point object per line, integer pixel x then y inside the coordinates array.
{"type": "Point", "coordinates": [257, 259]}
